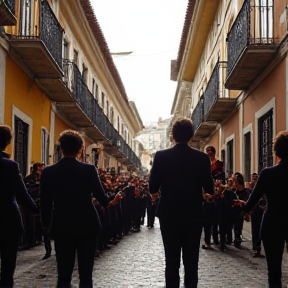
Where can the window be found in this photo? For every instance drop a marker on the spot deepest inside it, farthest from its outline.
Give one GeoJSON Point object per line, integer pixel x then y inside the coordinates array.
{"type": "Point", "coordinates": [118, 124]}
{"type": "Point", "coordinates": [45, 146]}
{"type": "Point", "coordinates": [247, 156]}
{"type": "Point", "coordinates": [85, 74]}
{"type": "Point", "coordinates": [65, 50]}
{"type": "Point", "coordinates": [21, 130]}
{"type": "Point", "coordinates": [107, 108]}
{"type": "Point", "coordinates": [112, 116]}
{"type": "Point", "coordinates": [230, 160]}
{"type": "Point", "coordinates": [103, 100]}
{"type": "Point", "coordinates": [94, 89]}
{"type": "Point", "coordinates": [75, 57]}
{"type": "Point", "coordinates": [265, 134]}
{"type": "Point", "coordinates": [122, 128]}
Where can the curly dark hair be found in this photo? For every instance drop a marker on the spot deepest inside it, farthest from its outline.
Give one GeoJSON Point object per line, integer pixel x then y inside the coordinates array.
{"type": "Point", "coordinates": [210, 148]}
{"type": "Point", "coordinates": [280, 145]}
{"type": "Point", "coordinates": [5, 136]}
{"type": "Point", "coordinates": [70, 142]}
{"type": "Point", "coordinates": [183, 130]}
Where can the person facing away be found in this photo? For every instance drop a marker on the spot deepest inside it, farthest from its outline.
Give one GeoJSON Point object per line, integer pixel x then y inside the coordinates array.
{"type": "Point", "coordinates": [273, 183]}
{"type": "Point", "coordinates": [67, 188]}
{"type": "Point", "coordinates": [180, 173]}
{"type": "Point", "coordinates": [12, 193]}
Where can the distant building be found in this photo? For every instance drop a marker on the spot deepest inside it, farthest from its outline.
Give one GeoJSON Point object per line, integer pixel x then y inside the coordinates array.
{"type": "Point", "coordinates": [154, 137]}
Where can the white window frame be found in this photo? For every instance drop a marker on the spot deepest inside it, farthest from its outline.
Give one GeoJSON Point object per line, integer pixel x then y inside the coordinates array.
{"type": "Point", "coordinates": [28, 120]}
{"type": "Point", "coordinates": [266, 108]}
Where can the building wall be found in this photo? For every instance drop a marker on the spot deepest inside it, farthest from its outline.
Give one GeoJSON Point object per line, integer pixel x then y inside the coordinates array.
{"type": "Point", "coordinates": [2, 82]}
{"type": "Point", "coordinates": [23, 94]}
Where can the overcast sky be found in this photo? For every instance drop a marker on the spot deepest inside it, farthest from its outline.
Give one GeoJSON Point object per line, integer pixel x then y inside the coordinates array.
{"type": "Point", "coordinates": [152, 30]}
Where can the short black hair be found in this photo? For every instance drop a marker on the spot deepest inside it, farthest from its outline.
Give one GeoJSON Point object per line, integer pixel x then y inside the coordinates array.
{"type": "Point", "coordinates": [70, 142]}
{"type": "Point", "coordinates": [183, 130]}
{"type": "Point", "coordinates": [5, 136]}
{"type": "Point", "coordinates": [280, 145]}
{"type": "Point", "coordinates": [211, 148]}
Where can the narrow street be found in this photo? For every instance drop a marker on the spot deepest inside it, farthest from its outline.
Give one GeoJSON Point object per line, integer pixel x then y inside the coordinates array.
{"type": "Point", "coordinates": [138, 261]}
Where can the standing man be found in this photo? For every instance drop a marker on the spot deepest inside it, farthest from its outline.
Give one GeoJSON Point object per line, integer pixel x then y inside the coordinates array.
{"type": "Point", "coordinates": [181, 173]}
{"type": "Point", "coordinates": [13, 192]}
{"type": "Point", "coordinates": [66, 193]}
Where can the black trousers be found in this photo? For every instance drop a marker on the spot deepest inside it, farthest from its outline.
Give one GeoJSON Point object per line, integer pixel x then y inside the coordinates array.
{"type": "Point", "coordinates": [274, 247]}
{"type": "Point", "coordinates": [177, 237]}
{"type": "Point", "coordinates": [8, 248]}
{"type": "Point", "coordinates": [66, 249]}
{"type": "Point", "coordinates": [256, 218]}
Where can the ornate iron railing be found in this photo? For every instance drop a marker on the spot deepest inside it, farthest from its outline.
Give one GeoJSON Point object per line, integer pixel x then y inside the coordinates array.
{"type": "Point", "coordinates": [216, 86]}
{"type": "Point", "coordinates": [76, 84]}
{"type": "Point", "coordinates": [253, 25]}
{"type": "Point", "coordinates": [11, 5]}
{"type": "Point", "coordinates": [44, 26]}
{"type": "Point", "coordinates": [198, 113]}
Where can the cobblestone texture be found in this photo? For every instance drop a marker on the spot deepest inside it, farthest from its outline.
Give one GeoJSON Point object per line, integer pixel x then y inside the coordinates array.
{"type": "Point", "coordinates": [138, 261]}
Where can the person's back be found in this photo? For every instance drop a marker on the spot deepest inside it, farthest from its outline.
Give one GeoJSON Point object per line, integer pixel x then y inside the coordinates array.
{"type": "Point", "coordinates": [182, 175]}
{"type": "Point", "coordinates": [179, 174]}
{"type": "Point", "coordinates": [12, 192]}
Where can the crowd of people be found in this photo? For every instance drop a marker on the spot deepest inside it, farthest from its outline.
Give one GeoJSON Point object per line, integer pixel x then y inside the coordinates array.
{"type": "Point", "coordinates": [135, 209]}
{"type": "Point", "coordinates": [224, 218]}
{"type": "Point", "coordinates": [85, 210]}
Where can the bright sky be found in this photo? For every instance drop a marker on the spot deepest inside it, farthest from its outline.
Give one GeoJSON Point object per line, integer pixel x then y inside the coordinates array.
{"type": "Point", "coordinates": [152, 30]}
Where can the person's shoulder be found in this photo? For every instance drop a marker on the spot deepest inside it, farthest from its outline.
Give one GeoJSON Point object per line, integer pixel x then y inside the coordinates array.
{"type": "Point", "coordinates": [9, 163]}
{"type": "Point", "coordinates": [198, 153]}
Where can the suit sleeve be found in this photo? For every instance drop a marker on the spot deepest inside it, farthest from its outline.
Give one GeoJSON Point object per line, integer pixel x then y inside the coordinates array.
{"type": "Point", "coordinates": [207, 180]}
{"type": "Point", "coordinates": [45, 200]}
{"type": "Point", "coordinates": [155, 179]}
{"type": "Point", "coordinates": [21, 193]}
{"type": "Point", "coordinates": [97, 189]}
{"type": "Point", "coordinates": [258, 192]}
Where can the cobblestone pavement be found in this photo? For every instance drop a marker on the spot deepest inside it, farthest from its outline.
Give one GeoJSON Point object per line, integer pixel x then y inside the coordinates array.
{"type": "Point", "coordinates": [138, 261]}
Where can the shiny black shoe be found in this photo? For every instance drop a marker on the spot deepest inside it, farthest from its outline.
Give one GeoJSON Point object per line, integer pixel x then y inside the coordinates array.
{"type": "Point", "coordinates": [46, 256]}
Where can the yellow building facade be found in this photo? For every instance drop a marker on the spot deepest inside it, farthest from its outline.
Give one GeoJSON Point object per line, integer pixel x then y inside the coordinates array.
{"type": "Point", "coordinates": [57, 74]}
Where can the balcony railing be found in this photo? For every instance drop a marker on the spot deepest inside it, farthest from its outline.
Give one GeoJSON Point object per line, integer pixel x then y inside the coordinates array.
{"type": "Point", "coordinates": [217, 101]}
{"type": "Point", "coordinates": [90, 106]}
{"type": "Point", "coordinates": [7, 13]}
{"type": "Point", "coordinates": [10, 5]}
{"type": "Point", "coordinates": [198, 113]}
{"type": "Point", "coordinates": [38, 40]}
{"type": "Point", "coordinates": [252, 29]}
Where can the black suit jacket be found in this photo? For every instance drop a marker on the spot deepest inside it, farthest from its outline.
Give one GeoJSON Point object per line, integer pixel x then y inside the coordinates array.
{"type": "Point", "coordinates": [272, 182]}
{"type": "Point", "coordinates": [180, 173]}
{"type": "Point", "coordinates": [67, 188]}
{"type": "Point", "coordinates": [11, 188]}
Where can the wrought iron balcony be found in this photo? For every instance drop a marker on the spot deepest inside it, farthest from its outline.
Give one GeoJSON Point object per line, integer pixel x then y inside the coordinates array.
{"type": "Point", "coordinates": [217, 101]}
{"type": "Point", "coordinates": [251, 43]}
{"type": "Point", "coordinates": [37, 43]}
{"type": "Point", "coordinates": [198, 114]}
{"type": "Point", "coordinates": [85, 112]}
{"type": "Point", "coordinates": [7, 13]}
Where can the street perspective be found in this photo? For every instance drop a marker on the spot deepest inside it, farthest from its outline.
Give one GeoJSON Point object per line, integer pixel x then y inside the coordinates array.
{"type": "Point", "coordinates": [143, 143]}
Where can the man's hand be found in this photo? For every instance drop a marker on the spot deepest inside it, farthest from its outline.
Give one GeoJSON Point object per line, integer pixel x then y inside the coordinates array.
{"type": "Point", "coordinates": [239, 203]}
{"type": "Point", "coordinates": [155, 196]}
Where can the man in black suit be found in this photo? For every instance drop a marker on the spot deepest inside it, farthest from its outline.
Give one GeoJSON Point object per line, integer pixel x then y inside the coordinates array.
{"type": "Point", "coordinates": [273, 183]}
{"type": "Point", "coordinates": [180, 174]}
{"type": "Point", "coordinates": [66, 190]}
{"type": "Point", "coordinates": [11, 227]}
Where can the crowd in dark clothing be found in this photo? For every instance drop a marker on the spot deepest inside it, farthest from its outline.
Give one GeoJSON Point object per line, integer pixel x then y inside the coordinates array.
{"type": "Point", "coordinates": [126, 216]}
{"type": "Point", "coordinates": [224, 219]}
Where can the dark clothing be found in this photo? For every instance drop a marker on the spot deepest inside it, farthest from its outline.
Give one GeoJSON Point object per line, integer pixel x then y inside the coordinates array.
{"type": "Point", "coordinates": [66, 197]}
{"type": "Point", "coordinates": [180, 173]}
{"type": "Point", "coordinates": [11, 225]}
{"type": "Point", "coordinates": [273, 183]}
